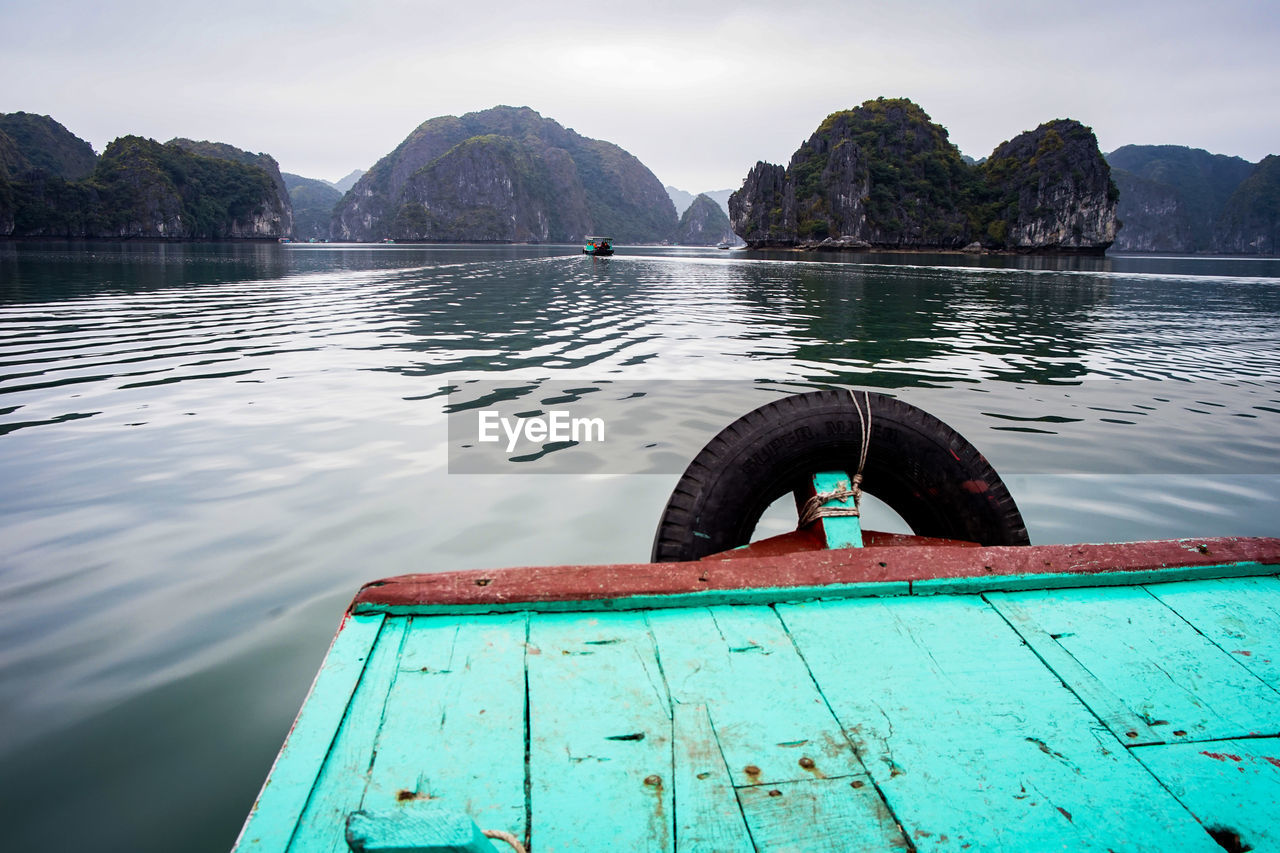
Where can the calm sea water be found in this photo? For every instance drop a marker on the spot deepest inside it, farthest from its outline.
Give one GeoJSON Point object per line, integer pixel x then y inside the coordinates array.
{"type": "Point", "coordinates": [206, 449]}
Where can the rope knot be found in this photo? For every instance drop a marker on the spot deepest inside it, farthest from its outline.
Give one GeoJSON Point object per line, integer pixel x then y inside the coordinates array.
{"type": "Point", "coordinates": [813, 508]}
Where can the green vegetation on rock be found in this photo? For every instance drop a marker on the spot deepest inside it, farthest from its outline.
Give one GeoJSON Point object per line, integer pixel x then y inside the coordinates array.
{"type": "Point", "coordinates": [505, 174]}
{"type": "Point", "coordinates": [1173, 196]}
{"type": "Point", "coordinates": [1250, 220]}
{"type": "Point", "coordinates": [313, 202]}
{"type": "Point", "coordinates": [140, 188]}
{"type": "Point", "coordinates": [704, 223]}
{"type": "Point", "coordinates": [884, 174]}
{"type": "Point", "coordinates": [44, 144]}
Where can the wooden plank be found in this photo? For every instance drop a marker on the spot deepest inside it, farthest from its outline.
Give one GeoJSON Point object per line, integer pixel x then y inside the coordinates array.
{"type": "Point", "coordinates": [1129, 727]}
{"type": "Point", "coordinates": [453, 733]}
{"type": "Point", "coordinates": [1241, 616]}
{"type": "Point", "coordinates": [415, 826]}
{"type": "Point", "coordinates": [771, 722]}
{"type": "Point", "coordinates": [845, 571]}
{"type": "Point", "coordinates": [1160, 667]}
{"type": "Point", "coordinates": [837, 531]}
{"type": "Point", "coordinates": [708, 818]}
{"type": "Point", "coordinates": [600, 758]}
{"type": "Point", "coordinates": [279, 806]}
{"type": "Point", "coordinates": [342, 780]}
{"type": "Point", "coordinates": [820, 816]}
{"type": "Point", "coordinates": [1232, 787]}
{"type": "Point", "coordinates": [973, 743]}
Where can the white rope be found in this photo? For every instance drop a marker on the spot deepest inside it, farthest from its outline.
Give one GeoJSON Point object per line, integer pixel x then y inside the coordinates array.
{"type": "Point", "coordinates": [505, 836]}
{"type": "Point", "coordinates": [813, 508]}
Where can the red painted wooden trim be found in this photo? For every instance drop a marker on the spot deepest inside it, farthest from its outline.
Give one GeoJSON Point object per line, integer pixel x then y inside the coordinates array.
{"type": "Point", "coordinates": [813, 538]}
{"type": "Point", "coordinates": [806, 569]}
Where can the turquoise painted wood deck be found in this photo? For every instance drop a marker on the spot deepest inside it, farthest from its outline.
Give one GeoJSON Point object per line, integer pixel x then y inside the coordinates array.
{"type": "Point", "coordinates": [1126, 718]}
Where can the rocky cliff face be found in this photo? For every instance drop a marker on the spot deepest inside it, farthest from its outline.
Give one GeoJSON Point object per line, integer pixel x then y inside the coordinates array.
{"type": "Point", "coordinates": [1153, 215]}
{"type": "Point", "coordinates": [505, 174]}
{"type": "Point", "coordinates": [141, 188]}
{"type": "Point", "coordinates": [1250, 220]}
{"type": "Point", "coordinates": [885, 175]}
{"type": "Point", "coordinates": [1053, 191]}
{"type": "Point", "coordinates": [1160, 182]}
{"type": "Point", "coordinates": [281, 206]}
{"type": "Point", "coordinates": [704, 224]}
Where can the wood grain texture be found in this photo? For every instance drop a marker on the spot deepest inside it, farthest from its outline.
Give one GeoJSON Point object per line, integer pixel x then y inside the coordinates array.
{"type": "Point", "coordinates": [708, 818]}
{"type": "Point", "coordinates": [600, 755]}
{"type": "Point", "coordinates": [1164, 670]}
{"type": "Point", "coordinates": [1239, 615]}
{"type": "Point", "coordinates": [847, 571]}
{"type": "Point", "coordinates": [973, 743]}
{"type": "Point", "coordinates": [453, 730]}
{"type": "Point", "coordinates": [1232, 786]}
{"type": "Point", "coordinates": [275, 814]}
{"type": "Point", "coordinates": [820, 816]}
{"type": "Point", "coordinates": [767, 712]}
{"type": "Point", "coordinates": [340, 786]}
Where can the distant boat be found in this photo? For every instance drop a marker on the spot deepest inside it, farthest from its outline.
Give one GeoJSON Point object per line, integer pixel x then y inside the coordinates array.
{"type": "Point", "coordinates": [725, 245]}
{"type": "Point", "coordinates": [598, 246]}
{"type": "Point", "coordinates": [387, 240]}
{"type": "Point", "coordinates": [284, 240]}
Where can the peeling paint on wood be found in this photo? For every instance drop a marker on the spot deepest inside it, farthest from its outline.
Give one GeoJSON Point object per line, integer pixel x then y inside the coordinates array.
{"type": "Point", "coordinates": [998, 721]}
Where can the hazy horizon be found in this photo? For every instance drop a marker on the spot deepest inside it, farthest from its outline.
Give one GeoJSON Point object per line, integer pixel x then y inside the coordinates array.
{"type": "Point", "coordinates": [696, 91]}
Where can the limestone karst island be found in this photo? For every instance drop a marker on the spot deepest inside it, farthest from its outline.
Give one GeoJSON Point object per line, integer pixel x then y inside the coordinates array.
{"type": "Point", "coordinates": [879, 176]}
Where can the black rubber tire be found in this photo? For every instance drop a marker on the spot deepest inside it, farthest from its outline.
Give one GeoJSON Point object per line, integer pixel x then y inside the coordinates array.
{"type": "Point", "coordinates": [923, 469]}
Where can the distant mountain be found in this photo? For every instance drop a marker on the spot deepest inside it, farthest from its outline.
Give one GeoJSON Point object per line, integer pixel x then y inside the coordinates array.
{"type": "Point", "coordinates": [313, 202]}
{"type": "Point", "coordinates": [704, 223]}
{"type": "Point", "coordinates": [885, 175]}
{"type": "Point", "coordinates": [682, 199]}
{"type": "Point", "coordinates": [505, 174]}
{"type": "Point", "coordinates": [44, 144]}
{"type": "Point", "coordinates": [1249, 223]}
{"type": "Point", "coordinates": [1174, 197]}
{"type": "Point", "coordinates": [348, 182]}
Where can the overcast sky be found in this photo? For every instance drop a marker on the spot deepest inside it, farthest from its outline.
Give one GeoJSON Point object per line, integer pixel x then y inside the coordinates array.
{"type": "Point", "coordinates": [699, 91]}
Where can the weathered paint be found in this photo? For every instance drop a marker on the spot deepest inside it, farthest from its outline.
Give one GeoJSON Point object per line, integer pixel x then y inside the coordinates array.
{"type": "Point", "coordinates": [339, 788]}
{"type": "Point", "coordinates": [600, 755]}
{"type": "Point", "coordinates": [1232, 787]}
{"type": "Point", "coordinates": [1235, 616]}
{"type": "Point", "coordinates": [768, 713]}
{"type": "Point", "coordinates": [951, 716]}
{"type": "Point", "coordinates": [454, 674]}
{"type": "Point", "coordinates": [285, 794]}
{"type": "Point", "coordinates": [820, 816]}
{"type": "Point", "coordinates": [832, 573]}
{"type": "Point", "coordinates": [708, 819]}
{"type": "Point", "coordinates": [971, 739]}
{"type": "Point", "coordinates": [416, 827]}
{"type": "Point", "coordinates": [1147, 655]}
{"type": "Point", "coordinates": [837, 531]}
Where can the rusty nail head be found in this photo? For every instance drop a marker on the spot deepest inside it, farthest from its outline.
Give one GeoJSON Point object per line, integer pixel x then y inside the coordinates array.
{"type": "Point", "coordinates": [775, 793]}
{"type": "Point", "coordinates": [1130, 734]}
{"type": "Point", "coordinates": [484, 581]}
{"type": "Point", "coordinates": [751, 770]}
{"type": "Point", "coordinates": [653, 780]}
{"type": "Point", "coordinates": [857, 783]}
{"type": "Point", "coordinates": [806, 763]}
